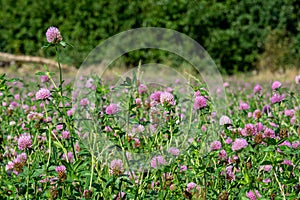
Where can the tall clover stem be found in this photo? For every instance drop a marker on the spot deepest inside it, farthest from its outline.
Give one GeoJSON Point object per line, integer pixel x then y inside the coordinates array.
{"type": "Point", "coordinates": [60, 72]}
{"type": "Point", "coordinates": [61, 95]}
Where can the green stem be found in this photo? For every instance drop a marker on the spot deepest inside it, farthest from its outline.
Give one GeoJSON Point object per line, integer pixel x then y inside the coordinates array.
{"type": "Point", "coordinates": [59, 67]}
{"type": "Point", "coordinates": [92, 171]}
{"type": "Point", "coordinates": [280, 186]}
{"type": "Point", "coordinates": [66, 121]}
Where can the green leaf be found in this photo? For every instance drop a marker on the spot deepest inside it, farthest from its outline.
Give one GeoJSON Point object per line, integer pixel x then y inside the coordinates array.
{"type": "Point", "coordinates": [47, 45]}
{"type": "Point", "coordinates": [13, 80]}
{"type": "Point", "coordinates": [271, 141]}
{"type": "Point", "coordinates": [62, 43]}
{"type": "Point", "coordinates": [109, 182]}
{"type": "Point", "coordinates": [37, 173]}
{"type": "Point", "coordinates": [266, 162]}
{"type": "Point", "coordinates": [40, 73]}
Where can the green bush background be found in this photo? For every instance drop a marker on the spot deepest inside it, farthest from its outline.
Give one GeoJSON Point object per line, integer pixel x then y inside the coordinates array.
{"type": "Point", "coordinates": [239, 35]}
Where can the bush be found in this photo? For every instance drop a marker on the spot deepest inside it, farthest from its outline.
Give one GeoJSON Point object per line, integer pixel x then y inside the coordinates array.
{"type": "Point", "coordinates": [232, 32]}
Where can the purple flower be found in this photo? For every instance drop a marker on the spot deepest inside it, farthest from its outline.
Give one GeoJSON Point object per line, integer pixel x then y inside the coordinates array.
{"type": "Point", "coordinates": [111, 109]}
{"type": "Point", "coordinates": [84, 102]}
{"type": "Point", "coordinates": [60, 169]}
{"type": "Point", "coordinates": [266, 168]}
{"type": "Point", "coordinates": [286, 143]}
{"type": "Point", "coordinates": [44, 78]}
{"type": "Point", "coordinates": [138, 129]}
{"type": "Point", "coordinates": [190, 186]}
{"type": "Point", "coordinates": [267, 180]}
{"type": "Point", "coordinates": [239, 144]}
{"type": "Point", "coordinates": [17, 97]}
{"type": "Point", "coordinates": [53, 35]}
{"type": "Point", "coordinates": [257, 88]}
{"type": "Point", "coordinates": [276, 85]}
{"type": "Point", "coordinates": [269, 133]}
{"type": "Point", "coordinates": [266, 109]}
{"type": "Point", "coordinates": [70, 156]}
{"type": "Point", "coordinates": [200, 102]}
{"type": "Point", "coordinates": [120, 196]}
{"type": "Point", "coordinates": [273, 124]}
{"type": "Point", "coordinates": [157, 160]}
{"type": "Point", "coordinates": [65, 135]}
{"type": "Point", "coordinates": [253, 196]}
{"type": "Point", "coordinates": [225, 120]}
{"type": "Point", "coordinates": [21, 158]}
{"type": "Point", "coordinates": [226, 84]}
{"type": "Point", "coordinates": [172, 187]}
{"type": "Point", "coordinates": [296, 144]}
{"type": "Point", "coordinates": [59, 127]}
{"type": "Point", "coordinates": [222, 154]}
{"type": "Point", "coordinates": [174, 151]}
{"type": "Point", "coordinates": [168, 98]}
{"type": "Point", "coordinates": [71, 112]}
{"type": "Point", "coordinates": [297, 79]}
{"type": "Point", "coordinates": [108, 129]}
{"type": "Point", "coordinates": [287, 162]}
{"type": "Point", "coordinates": [276, 98]}
{"type": "Point", "coordinates": [183, 168]}
{"type": "Point", "coordinates": [289, 113]}
{"type": "Point", "coordinates": [259, 126]}
{"type": "Point", "coordinates": [230, 173]}
{"type": "Point", "coordinates": [137, 143]}
{"type": "Point", "coordinates": [215, 145]}
{"type": "Point", "coordinates": [249, 129]}
{"type": "Point", "coordinates": [87, 193]}
{"type": "Point", "coordinates": [155, 96]}
{"type": "Point", "coordinates": [228, 140]}
{"type": "Point", "coordinates": [138, 102]}
{"type": "Point", "coordinates": [116, 166]}
{"type": "Point", "coordinates": [244, 106]}
{"type": "Point", "coordinates": [10, 166]}
{"type": "Point", "coordinates": [142, 88]}
{"type": "Point", "coordinates": [42, 94]}
{"type": "Point", "coordinates": [24, 142]}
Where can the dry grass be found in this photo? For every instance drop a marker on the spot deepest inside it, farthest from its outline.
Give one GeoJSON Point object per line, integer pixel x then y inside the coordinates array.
{"type": "Point", "coordinates": [267, 76]}
{"type": "Point", "coordinates": [29, 70]}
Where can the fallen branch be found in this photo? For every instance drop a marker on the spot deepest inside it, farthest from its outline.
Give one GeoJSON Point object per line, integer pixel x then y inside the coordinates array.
{"type": "Point", "coordinates": [32, 59]}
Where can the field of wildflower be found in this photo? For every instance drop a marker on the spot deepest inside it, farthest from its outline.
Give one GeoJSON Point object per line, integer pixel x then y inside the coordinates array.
{"type": "Point", "coordinates": [133, 140]}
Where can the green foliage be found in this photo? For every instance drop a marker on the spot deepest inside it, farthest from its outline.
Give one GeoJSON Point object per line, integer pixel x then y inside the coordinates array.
{"type": "Point", "coordinates": [233, 32]}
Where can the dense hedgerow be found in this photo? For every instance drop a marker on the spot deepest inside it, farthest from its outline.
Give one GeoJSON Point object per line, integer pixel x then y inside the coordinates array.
{"type": "Point", "coordinates": [235, 33]}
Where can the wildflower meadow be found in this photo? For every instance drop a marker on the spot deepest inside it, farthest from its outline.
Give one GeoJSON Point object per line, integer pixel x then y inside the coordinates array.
{"type": "Point", "coordinates": [85, 138]}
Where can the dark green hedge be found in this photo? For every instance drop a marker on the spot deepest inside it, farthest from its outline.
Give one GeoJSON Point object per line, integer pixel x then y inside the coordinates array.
{"type": "Point", "coordinates": [232, 31]}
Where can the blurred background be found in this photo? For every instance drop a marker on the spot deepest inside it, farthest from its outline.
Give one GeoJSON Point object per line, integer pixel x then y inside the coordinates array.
{"type": "Point", "coordinates": [240, 35]}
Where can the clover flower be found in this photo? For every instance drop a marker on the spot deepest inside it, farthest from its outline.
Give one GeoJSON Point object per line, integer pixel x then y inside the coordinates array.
{"type": "Point", "coordinates": [111, 109]}
{"type": "Point", "coordinates": [239, 144]}
{"type": "Point", "coordinates": [53, 35]}
{"type": "Point", "coordinates": [215, 145]}
{"type": "Point", "coordinates": [157, 160]}
{"type": "Point", "coordinates": [42, 94]}
{"type": "Point", "coordinates": [174, 151]}
{"type": "Point", "coordinates": [24, 142]}
{"type": "Point", "coordinates": [200, 102]}
{"type": "Point", "coordinates": [166, 97]}
{"type": "Point", "coordinates": [116, 167]}
{"type": "Point", "coordinates": [276, 85]}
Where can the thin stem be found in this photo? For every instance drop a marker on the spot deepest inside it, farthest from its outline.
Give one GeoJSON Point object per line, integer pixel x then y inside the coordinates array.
{"type": "Point", "coordinates": [49, 140]}
{"type": "Point", "coordinates": [66, 121]}
{"type": "Point", "coordinates": [59, 67]}
{"type": "Point", "coordinates": [92, 171]}
{"type": "Point", "coordinates": [280, 186]}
